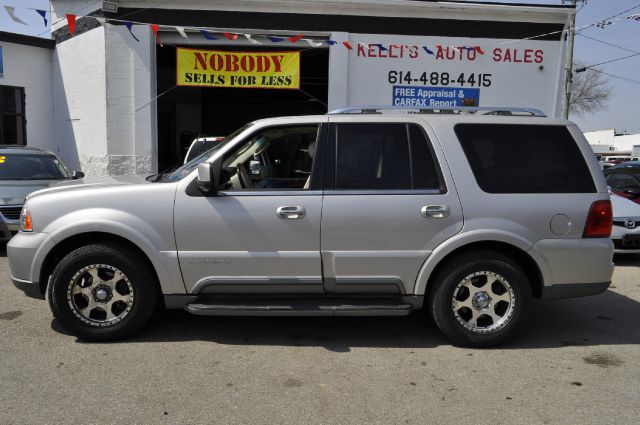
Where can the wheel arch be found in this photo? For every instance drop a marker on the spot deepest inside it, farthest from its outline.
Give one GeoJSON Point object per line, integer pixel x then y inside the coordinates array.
{"type": "Point", "coordinates": [529, 266]}
{"type": "Point", "coordinates": [70, 243]}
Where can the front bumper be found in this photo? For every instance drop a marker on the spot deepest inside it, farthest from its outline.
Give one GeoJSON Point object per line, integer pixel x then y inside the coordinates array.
{"type": "Point", "coordinates": [22, 251]}
{"type": "Point", "coordinates": [624, 245]}
{"type": "Point", "coordinates": [30, 289]}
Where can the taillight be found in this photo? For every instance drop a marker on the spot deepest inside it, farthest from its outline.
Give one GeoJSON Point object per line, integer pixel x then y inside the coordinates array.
{"type": "Point", "coordinates": [600, 220]}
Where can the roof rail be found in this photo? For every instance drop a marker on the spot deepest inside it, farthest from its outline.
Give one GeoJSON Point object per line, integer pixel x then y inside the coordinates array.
{"type": "Point", "coordinates": [483, 110]}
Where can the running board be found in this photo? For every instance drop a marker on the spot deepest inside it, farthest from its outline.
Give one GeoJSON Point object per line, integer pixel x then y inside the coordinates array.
{"type": "Point", "coordinates": [307, 309]}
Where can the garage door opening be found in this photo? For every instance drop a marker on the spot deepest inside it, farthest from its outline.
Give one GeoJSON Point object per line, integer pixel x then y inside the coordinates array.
{"type": "Point", "coordinates": [185, 113]}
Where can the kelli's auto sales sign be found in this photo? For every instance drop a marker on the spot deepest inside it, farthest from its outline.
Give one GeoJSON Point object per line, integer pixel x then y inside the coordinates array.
{"type": "Point", "coordinates": [434, 72]}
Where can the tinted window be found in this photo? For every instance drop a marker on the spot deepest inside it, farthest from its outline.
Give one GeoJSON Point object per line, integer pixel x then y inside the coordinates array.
{"type": "Point", "coordinates": [524, 159]}
{"type": "Point", "coordinates": [425, 170]}
{"type": "Point", "coordinates": [621, 181]}
{"type": "Point", "coordinates": [372, 156]}
{"type": "Point", "coordinates": [31, 167]}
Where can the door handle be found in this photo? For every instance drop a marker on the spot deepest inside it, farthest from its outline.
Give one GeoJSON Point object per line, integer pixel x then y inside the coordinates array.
{"type": "Point", "coordinates": [291, 213]}
{"type": "Point", "coordinates": [435, 211]}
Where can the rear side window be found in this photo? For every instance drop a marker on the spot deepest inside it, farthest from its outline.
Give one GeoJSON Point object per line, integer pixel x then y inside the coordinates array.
{"type": "Point", "coordinates": [373, 156]}
{"type": "Point", "coordinates": [384, 156]}
{"type": "Point", "coordinates": [525, 158]}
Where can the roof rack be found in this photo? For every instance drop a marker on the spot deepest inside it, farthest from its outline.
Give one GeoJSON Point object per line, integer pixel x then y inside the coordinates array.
{"type": "Point", "coordinates": [482, 110]}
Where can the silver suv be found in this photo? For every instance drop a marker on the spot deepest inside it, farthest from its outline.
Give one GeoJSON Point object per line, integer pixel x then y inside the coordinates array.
{"type": "Point", "coordinates": [469, 213]}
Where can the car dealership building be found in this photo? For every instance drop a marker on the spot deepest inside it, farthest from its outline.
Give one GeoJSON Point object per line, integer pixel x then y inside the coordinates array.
{"type": "Point", "coordinates": [124, 101]}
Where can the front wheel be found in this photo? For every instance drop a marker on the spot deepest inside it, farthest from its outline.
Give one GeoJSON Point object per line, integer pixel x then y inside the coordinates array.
{"type": "Point", "coordinates": [102, 292]}
{"type": "Point", "coordinates": [480, 299]}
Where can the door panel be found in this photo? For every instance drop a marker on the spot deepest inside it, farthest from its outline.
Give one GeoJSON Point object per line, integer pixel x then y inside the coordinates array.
{"type": "Point", "coordinates": [237, 243]}
{"type": "Point", "coordinates": [376, 239]}
{"type": "Point", "coordinates": [258, 235]}
{"type": "Point", "coordinates": [381, 241]}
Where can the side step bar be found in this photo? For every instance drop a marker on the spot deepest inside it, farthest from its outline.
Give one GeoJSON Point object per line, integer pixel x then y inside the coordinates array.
{"type": "Point", "coordinates": [299, 309]}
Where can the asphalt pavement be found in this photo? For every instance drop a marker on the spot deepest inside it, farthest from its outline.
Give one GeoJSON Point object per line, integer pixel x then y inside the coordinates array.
{"type": "Point", "coordinates": [576, 362]}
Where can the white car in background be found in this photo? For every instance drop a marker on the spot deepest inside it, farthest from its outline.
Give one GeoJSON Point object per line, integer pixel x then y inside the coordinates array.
{"type": "Point", "coordinates": [626, 225]}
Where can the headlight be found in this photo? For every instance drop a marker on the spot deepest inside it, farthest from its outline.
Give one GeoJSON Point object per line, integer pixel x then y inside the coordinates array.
{"type": "Point", "coordinates": [25, 220]}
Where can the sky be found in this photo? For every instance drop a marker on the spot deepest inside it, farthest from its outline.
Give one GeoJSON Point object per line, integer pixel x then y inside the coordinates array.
{"type": "Point", "coordinates": [622, 111]}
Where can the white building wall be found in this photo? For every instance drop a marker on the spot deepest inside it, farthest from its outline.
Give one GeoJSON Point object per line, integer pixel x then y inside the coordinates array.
{"type": "Point", "coordinates": [105, 119]}
{"type": "Point", "coordinates": [80, 108]}
{"type": "Point", "coordinates": [601, 137]}
{"type": "Point", "coordinates": [130, 93]}
{"type": "Point", "coordinates": [604, 141]}
{"type": "Point", "coordinates": [30, 67]}
{"type": "Point", "coordinates": [627, 141]}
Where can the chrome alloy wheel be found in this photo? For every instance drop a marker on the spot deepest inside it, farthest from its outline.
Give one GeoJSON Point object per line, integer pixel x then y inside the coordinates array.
{"type": "Point", "coordinates": [483, 302]}
{"type": "Point", "coordinates": [100, 295]}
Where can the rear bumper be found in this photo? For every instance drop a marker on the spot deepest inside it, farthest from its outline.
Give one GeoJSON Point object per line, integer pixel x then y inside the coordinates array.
{"type": "Point", "coordinates": [573, 290]}
{"type": "Point", "coordinates": [563, 262]}
{"type": "Point", "coordinates": [30, 289]}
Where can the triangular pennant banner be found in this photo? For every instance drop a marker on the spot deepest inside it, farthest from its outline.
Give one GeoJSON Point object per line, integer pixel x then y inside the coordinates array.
{"type": "Point", "coordinates": [427, 51]}
{"type": "Point", "coordinates": [331, 42]}
{"type": "Point", "coordinates": [182, 32]}
{"type": "Point", "coordinates": [312, 43]}
{"type": "Point", "coordinates": [71, 22]}
{"type": "Point", "coordinates": [275, 39]}
{"type": "Point", "coordinates": [479, 50]}
{"type": "Point", "coordinates": [295, 38]}
{"type": "Point", "coordinates": [11, 11]}
{"type": "Point", "coordinates": [42, 13]}
{"type": "Point", "coordinates": [155, 29]}
{"type": "Point", "coordinates": [381, 46]}
{"type": "Point", "coordinates": [347, 45]}
{"type": "Point", "coordinates": [634, 17]}
{"type": "Point", "coordinates": [250, 39]}
{"type": "Point", "coordinates": [129, 26]}
{"type": "Point", "coordinates": [230, 36]}
{"type": "Point", "coordinates": [206, 34]}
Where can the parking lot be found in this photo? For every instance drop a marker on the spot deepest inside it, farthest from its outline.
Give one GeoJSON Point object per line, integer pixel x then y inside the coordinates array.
{"type": "Point", "coordinates": [579, 362]}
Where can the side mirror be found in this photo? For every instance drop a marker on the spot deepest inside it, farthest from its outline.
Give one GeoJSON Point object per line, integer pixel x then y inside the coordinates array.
{"type": "Point", "coordinates": [208, 178]}
{"type": "Point", "coordinates": [75, 175]}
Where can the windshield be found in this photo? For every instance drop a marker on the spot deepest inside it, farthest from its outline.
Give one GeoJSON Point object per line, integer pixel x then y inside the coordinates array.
{"type": "Point", "coordinates": [181, 172]}
{"type": "Point", "coordinates": [200, 146]}
{"type": "Point", "coordinates": [31, 167]}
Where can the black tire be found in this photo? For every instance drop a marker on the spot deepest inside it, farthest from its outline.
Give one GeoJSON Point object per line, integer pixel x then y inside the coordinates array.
{"type": "Point", "coordinates": [139, 284]}
{"type": "Point", "coordinates": [469, 327]}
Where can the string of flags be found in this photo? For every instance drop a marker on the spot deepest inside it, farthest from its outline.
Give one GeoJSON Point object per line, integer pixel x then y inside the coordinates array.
{"type": "Point", "coordinates": [213, 34]}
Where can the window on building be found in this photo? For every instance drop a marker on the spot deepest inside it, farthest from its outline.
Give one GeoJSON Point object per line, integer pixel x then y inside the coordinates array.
{"type": "Point", "coordinates": [525, 158]}
{"type": "Point", "coordinates": [12, 117]}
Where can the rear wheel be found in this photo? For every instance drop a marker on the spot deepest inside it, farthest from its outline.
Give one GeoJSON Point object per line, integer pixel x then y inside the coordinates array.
{"type": "Point", "coordinates": [102, 292]}
{"type": "Point", "coordinates": [480, 299]}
